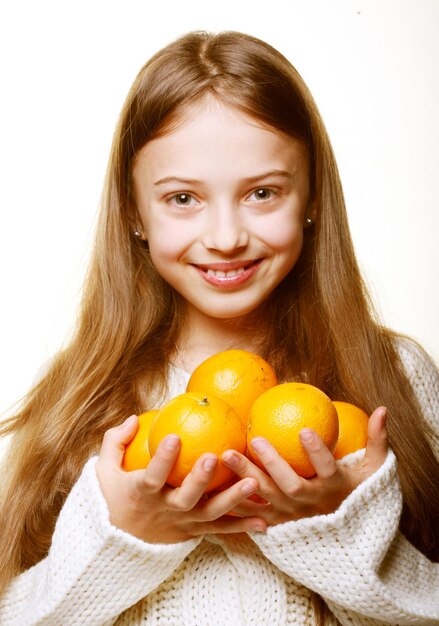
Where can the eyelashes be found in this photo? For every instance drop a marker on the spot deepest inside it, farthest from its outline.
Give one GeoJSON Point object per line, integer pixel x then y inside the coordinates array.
{"type": "Point", "coordinates": [263, 194]}
{"type": "Point", "coordinates": [259, 195]}
{"type": "Point", "coordinates": [183, 199]}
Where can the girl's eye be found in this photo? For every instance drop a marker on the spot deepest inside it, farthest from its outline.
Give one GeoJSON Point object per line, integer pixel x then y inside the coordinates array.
{"type": "Point", "coordinates": [183, 199]}
{"type": "Point", "coordinates": [262, 194]}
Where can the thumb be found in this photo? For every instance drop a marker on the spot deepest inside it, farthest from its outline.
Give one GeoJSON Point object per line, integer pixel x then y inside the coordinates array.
{"type": "Point", "coordinates": [115, 440]}
{"type": "Point", "coordinates": [377, 444]}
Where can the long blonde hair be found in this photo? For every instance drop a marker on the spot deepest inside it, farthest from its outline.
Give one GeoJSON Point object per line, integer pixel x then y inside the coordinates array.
{"type": "Point", "coordinates": [116, 362]}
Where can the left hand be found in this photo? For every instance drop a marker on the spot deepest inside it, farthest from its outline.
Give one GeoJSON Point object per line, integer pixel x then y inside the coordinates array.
{"type": "Point", "coordinates": [291, 497]}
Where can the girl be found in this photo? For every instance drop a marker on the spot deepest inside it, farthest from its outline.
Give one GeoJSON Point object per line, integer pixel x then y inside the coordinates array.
{"type": "Point", "coordinates": [222, 225]}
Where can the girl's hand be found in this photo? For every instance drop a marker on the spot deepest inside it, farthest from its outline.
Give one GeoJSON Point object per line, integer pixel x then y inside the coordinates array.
{"type": "Point", "coordinates": [290, 497]}
{"type": "Point", "coordinates": [143, 505]}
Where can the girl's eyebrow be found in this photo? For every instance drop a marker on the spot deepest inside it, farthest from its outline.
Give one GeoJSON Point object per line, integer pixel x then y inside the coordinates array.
{"type": "Point", "coordinates": [252, 179]}
{"type": "Point", "coordinates": [176, 179]}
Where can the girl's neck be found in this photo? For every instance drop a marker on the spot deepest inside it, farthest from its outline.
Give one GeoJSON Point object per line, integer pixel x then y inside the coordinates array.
{"type": "Point", "coordinates": [203, 336]}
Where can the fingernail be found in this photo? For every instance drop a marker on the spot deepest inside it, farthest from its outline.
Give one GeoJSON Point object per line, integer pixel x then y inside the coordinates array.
{"type": "Point", "coordinates": [230, 459]}
{"type": "Point", "coordinates": [383, 414]}
{"type": "Point", "coordinates": [209, 464]}
{"type": "Point", "coordinates": [258, 444]}
{"type": "Point", "coordinates": [306, 435]}
{"type": "Point", "coordinates": [259, 527]}
{"type": "Point", "coordinates": [171, 442]}
{"type": "Point", "coordinates": [248, 488]}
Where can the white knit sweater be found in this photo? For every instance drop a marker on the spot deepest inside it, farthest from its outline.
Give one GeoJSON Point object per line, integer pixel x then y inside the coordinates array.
{"type": "Point", "coordinates": [367, 572]}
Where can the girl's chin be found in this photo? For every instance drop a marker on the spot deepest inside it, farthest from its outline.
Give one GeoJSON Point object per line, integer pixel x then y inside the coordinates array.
{"type": "Point", "coordinates": [229, 315]}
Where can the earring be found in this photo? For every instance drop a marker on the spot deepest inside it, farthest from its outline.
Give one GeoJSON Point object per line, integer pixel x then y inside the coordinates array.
{"type": "Point", "coordinates": [309, 221]}
{"type": "Point", "coordinates": [138, 233]}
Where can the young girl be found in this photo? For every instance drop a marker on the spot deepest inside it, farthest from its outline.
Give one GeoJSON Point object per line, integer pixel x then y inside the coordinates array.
{"type": "Point", "coordinates": [222, 225]}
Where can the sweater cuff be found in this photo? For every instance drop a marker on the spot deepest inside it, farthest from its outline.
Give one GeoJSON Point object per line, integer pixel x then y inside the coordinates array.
{"type": "Point", "coordinates": [99, 519]}
{"type": "Point", "coordinates": [96, 567]}
{"type": "Point", "coordinates": [354, 538]}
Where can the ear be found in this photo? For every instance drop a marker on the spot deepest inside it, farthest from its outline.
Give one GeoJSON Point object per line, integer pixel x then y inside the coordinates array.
{"type": "Point", "coordinates": [139, 233]}
{"type": "Point", "coordinates": [137, 228]}
{"type": "Point", "coordinates": [310, 216]}
{"type": "Point", "coordinates": [135, 222]}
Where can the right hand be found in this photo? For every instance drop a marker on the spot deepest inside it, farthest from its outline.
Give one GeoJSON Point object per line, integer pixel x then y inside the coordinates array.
{"type": "Point", "coordinates": [142, 504]}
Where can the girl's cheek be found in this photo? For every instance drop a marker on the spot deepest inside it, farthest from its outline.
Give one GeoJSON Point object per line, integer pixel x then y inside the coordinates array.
{"type": "Point", "coordinates": [169, 244]}
{"type": "Point", "coordinates": [282, 235]}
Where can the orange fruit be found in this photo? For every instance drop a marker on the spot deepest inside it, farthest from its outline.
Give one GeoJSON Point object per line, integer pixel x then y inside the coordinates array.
{"type": "Point", "coordinates": [279, 415]}
{"type": "Point", "coordinates": [204, 424]}
{"type": "Point", "coordinates": [353, 423]}
{"type": "Point", "coordinates": [236, 376]}
{"type": "Point", "coordinates": [136, 455]}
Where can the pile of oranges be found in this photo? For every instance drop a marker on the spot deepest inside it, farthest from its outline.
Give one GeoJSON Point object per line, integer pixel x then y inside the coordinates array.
{"type": "Point", "coordinates": [234, 396]}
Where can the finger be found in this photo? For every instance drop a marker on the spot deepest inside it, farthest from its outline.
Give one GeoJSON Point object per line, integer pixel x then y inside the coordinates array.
{"type": "Point", "coordinates": [283, 475]}
{"type": "Point", "coordinates": [115, 440]}
{"type": "Point", "coordinates": [194, 485]}
{"type": "Point", "coordinates": [377, 444]}
{"type": "Point", "coordinates": [229, 524]}
{"type": "Point", "coordinates": [156, 474]}
{"type": "Point", "coordinates": [248, 508]}
{"type": "Point", "coordinates": [271, 487]}
{"type": "Point", "coordinates": [243, 467]}
{"type": "Point", "coordinates": [227, 500]}
{"type": "Point", "coordinates": [321, 458]}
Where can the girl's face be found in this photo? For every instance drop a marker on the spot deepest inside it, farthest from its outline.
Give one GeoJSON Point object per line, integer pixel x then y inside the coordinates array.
{"type": "Point", "coordinates": [222, 201]}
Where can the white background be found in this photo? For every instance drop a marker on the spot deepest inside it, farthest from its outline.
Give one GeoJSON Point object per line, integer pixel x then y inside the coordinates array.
{"type": "Point", "coordinates": [65, 70]}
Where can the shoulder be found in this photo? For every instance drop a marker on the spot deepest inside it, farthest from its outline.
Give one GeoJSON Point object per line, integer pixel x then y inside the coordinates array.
{"type": "Point", "coordinates": [419, 366]}
{"type": "Point", "coordinates": [423, 375]}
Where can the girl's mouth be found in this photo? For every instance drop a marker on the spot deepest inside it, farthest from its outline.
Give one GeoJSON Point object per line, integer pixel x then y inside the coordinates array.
{"type": "Point", "coordinates": [228, 274]}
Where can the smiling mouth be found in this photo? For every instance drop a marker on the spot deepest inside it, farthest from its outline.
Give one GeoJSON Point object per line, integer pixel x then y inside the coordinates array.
{"type": "Point", "coordinates": [229, 272]}
{"type": "Point", "coordinates": [223, 274]}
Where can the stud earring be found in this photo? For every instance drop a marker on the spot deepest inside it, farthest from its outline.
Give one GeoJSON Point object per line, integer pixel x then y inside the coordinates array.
{"type": "Point", "coordinates": [309, 221]}
{"type": "Point", "coordinates": [138, 233]}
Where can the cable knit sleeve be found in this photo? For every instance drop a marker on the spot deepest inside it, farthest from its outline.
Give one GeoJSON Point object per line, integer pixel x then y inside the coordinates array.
{"type": "Point", "coordinates": [356, 558]}
{"type": "Point", "coordinates": [93, 571]}
{"type": "Point", "coordinates": [423, 376]}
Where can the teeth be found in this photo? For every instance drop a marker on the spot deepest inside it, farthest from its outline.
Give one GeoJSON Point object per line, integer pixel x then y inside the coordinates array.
{"type": "Point", "coordinates": [222, 274]}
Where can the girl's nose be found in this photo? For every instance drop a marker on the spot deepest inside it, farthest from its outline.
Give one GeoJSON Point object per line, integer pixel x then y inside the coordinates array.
{"type": "Point", "coordinates": [226, 231]}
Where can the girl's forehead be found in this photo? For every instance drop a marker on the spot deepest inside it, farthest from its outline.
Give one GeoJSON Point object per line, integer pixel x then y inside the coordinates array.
{"type": "Point", "coordinates": [212, 110]}
{"type": "Point", "coordinates": [212, 123]}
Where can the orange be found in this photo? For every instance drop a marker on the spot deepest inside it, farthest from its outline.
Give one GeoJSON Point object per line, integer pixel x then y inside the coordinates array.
{"type": "Point", "coordinates": [353, 428]}
{"type": "Point", "coordinates": [279, 415]}
{"type": "Point", "coordinates": [136, 454]}
{"type": "Point", "coordinates": [236, 376]}
{"type": "Point", "coordinates": [204, 424]}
